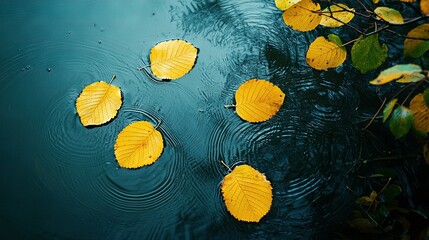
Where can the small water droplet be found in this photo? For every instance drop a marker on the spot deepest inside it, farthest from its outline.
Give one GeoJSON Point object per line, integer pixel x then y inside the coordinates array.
{"type": "Point", "coordinates": [49, 69]}
{"type": "Point", "coordinates": [23, 69]}
{"type": "Point", "coordinates": [69, 32]}
{"type": "Point", "coordinates": [27, 67]}
{"type": "Point", "coordinates": [19, 49]}
{"type": "Point", "coordinates": [102, 29]}
{"type": "Point", "coordinates": [99, 41]}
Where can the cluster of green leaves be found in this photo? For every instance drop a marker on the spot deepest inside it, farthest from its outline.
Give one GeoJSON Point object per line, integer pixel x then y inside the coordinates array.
{"type": "Point", "coordinates": [368, 52]}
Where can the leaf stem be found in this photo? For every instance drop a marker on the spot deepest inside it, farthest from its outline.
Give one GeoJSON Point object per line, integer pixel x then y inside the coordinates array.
{"type": "Point", "coordinates": [230, 106]}
{"type": "Point", "coordinates": [223, 163]}
{"type": "Point", "coordinates": [375, 115]}
{"type": "Point", "coordinates": [113, 78]}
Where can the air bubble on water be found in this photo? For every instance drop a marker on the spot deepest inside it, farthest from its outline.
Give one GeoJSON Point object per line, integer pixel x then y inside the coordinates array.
{"type": "Point", "coordinates": [102, 29]}
{"type": "Point", "coordinates": [69, 32]}
{"type": "Point", "coordinates": [23, 69]}
{"type": "Point", "coordinates": [49, 69]}
{"type": "Point", "coordinates": [27, 67]}
{"type": "Point", "coordinates": [99, 41]}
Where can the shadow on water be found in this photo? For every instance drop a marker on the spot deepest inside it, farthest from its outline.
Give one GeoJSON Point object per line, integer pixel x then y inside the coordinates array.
{"type": "Point", "coordinates": [61, 180]}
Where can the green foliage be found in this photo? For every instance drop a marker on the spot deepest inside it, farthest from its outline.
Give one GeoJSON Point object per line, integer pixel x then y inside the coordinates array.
{"type": "Point", "coordinates": [334, 38]}
{"type": "Point", "coordinates": [368, 54]}
{"type": "Point", "coordinates": [403, 73]}
{"type": "Point", "coordinates": [388, 109]}
{"type": "Point", "coordinates": [426, 97]}
{"type": "Point", "coordinates": [401, 121]}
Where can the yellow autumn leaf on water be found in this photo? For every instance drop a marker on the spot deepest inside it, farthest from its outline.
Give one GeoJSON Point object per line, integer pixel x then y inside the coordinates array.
{"type": "Point", "coordinates": [326, 53]}
{"type": "Point", "coordinates": [375, 1]}
{"type": "Point", "coordinates": [258, 100]}
{"type": "Point", "coordinates": [340, 12]}
{"type": "Point", "coordinates": [98, 103]}
{"type": "Point", "coordinates": [247, 193]}
{"type": "Point", "coordinates": [421, 113]}
{"type": "Point", "coordinates": [389, 15]}
{"type": "Point", "coordinates": [424, 6]}
{"type": "Point", "coordinates": [172, 59]}
{"type": "Point", "coordinates": [285, 4]}
{"type": "Point", "coordinates": [303, 16]}
{"type": "Point", "coordinates": [138, 144]}
{"type": "Point", "coordinates": [402, 73]}
{"type": "Point", "coordinates": [407, 1]}
{"type": "Point", "coordinates": [417, 41]}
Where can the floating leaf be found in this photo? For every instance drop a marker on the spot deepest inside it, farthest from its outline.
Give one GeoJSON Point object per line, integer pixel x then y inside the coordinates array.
{"type": "Point", "coordinates": [408, 1]}
{"type": "Point", "coordinates": [368, 54]}
{"type": "Point", "coordinates": [426, 153]}
{"type": "Point", "coordinates": [247, 193]}
{"type": "Point", "coordinates": [285, 4]}
{"type": "Point", "coordinates": [388, 109]}
{"type": "Point", "coordinates": [375, 1]}
{"type": "Point", "coordinates": [367, 200]}
{"type": "Point", "coordinates": [258, 100]}
{"type": "Point", "coordinates": [138, 144]}
{"type": "Point", "coordinates": [303, 16]}
{"type": "Point", "coordinates": [401, 121]}
{"type": "Point", "coordinates": [172, 59]}
{"type": "Point", "coordinates": [398, 72]}
{"type": "Point", "coordinates": [421, 113]}
{"type": "Point", "coordinates": [341, 12]}
{"type": "Point", "coordinates": [424, 6]}
{"type": "Point", "coordinates": [426, 97]}
{"type": "Point", "coordinates": [98, 103]}
{"type": "Point", "coordinates": [389, 15]}
{"type": "Point", "coordinates": [416, 45]}
{"type": "Point", "coordinates": [326, 53]}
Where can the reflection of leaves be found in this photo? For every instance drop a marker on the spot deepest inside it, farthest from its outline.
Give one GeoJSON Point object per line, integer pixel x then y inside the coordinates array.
{"type": "Point", "coordinates": [326, 53]}
{"type": "Point", "coordinates": [389, 15]}
{"type": "Point", "coordinates": [391, 192]}
{"type": "Point", "coordinates": [401, 121]}
{"type": "Point", "coordinates": [368, 54]}
{"type": "Point", "coordinates": [138, 144]}
{"type": "Point", "coordinates": [247, 193]}
{"type": "Point", "coordinates": [258, 100]}
{"type": "Point", "coordinates": [172, 59]}
{"type": "Point", "coordinates": [303, 16]}
{"type": "Point", "coordinates": [98, 103]}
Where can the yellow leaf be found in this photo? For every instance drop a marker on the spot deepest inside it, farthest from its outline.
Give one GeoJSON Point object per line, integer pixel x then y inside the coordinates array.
{"type": "Point", "coordinates": [408, 1]}
{"type": "Point", "coordinates": [303, 16]}
{"type": "Point", "coordinates": [389, 15]}
{"type": "Point", "coordinates": [414, 47]}
{"type": "Point", "coordinates": [400, 72]}
{"type": "Point", "coordinates": [375, 1]}
{"type": "Point", "coordinates": [247, 193]}
{"type": "Point", "coordinates": [340, 12]}
{"type": "Point", "coordinates": [285, 4]}
{"type": "Point", "coordinates": [258, 100]}
{"type": "Point", "coordinates": [424, 6]}
{"type": "Point", "coordinates": [324, 53]}
{"type": "Point", "coordinates": [138, 144]}
{"type": "Point", "coordinates": [172, 59]}
{"type": "Point", "coordinates": [98, 103]}
{"type": "Point", "coordinates": [421, 113]}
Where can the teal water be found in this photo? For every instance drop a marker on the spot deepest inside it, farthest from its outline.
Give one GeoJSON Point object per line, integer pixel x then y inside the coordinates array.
{"type": "Point", "coordinates": [60, 180]}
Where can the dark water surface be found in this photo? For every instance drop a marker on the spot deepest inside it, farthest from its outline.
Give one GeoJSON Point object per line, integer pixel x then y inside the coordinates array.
{"type": "Point", "coordinates": [60, 180]}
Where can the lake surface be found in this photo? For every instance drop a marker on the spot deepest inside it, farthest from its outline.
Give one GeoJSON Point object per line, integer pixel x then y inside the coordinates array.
{"type": "Point", "coordinates": [60, 180]}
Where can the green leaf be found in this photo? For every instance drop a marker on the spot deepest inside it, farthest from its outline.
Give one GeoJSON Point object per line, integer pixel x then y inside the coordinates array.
{"type": "Point", "coordinates": [368, 54]}
{"type": "Point", "coordinates": [401, 121]}
{"type": "Point", "coordinates": [334, 38]}
{"type": "Point", "coordinates": [388, 109]}
{"type": "Point", "coordinates": [391, 192]}
{"type": "Point", "coordinates": [400, 72]}
{"type": "Point", "coordinates": [426, 97]}
{"type": "Point", "coordinates": [417, 41]}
